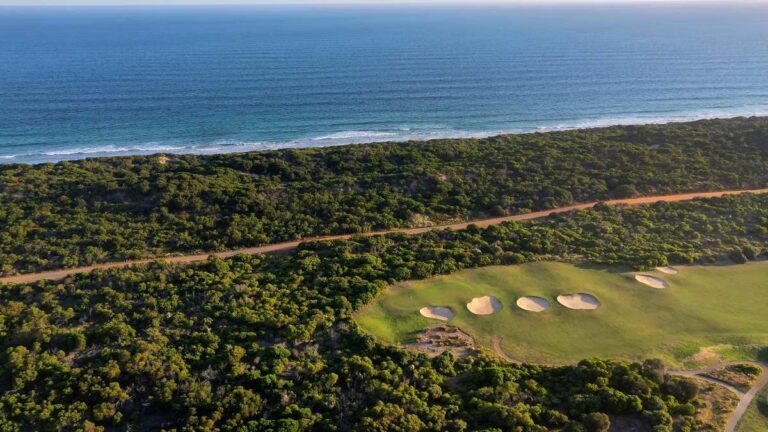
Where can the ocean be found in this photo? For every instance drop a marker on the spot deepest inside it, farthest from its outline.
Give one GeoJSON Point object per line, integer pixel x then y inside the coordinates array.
{"type": "Point", "coordinates": [80, 82]}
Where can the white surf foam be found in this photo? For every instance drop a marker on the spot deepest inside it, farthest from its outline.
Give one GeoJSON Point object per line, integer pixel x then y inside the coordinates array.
{"type": "Point", "coordinates": [637, 119]}
{"type": "Point", "coordinates": [401, 133]}
{"type": "Point", "coordinates": [355, 135]}
{"type": "Point", "coordinates": [111, 149]}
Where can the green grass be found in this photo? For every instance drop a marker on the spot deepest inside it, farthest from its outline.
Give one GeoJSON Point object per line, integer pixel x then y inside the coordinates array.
{"type": "Point", "coordinates": [744, 352]}
{"type": "Point", "coordinates": [756, 417]}
{"type": "Point", "coordinates": [704, 306]}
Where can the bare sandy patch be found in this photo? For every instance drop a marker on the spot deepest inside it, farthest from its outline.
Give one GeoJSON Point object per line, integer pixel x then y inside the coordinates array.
{"type": "Point", "coordinates": [580, 301]}
{"type": "Point", "coordinates": [437, 312]}
{"type": "Point", "coordinates": [708, 355]}
{"type": "Point", "coordinates": [438, 338]}
{"type": "Point", "coordinates": [485, 305]}
{"type": "Point", "coordinates": [652, 281]}
{"type": "Point", "coordinates": [533, 304]}
{"type": "Point", "coordinates": [667, 270]}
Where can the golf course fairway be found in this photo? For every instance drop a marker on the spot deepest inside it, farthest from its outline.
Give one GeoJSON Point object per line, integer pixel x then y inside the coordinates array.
{"type": "Point", "coordinates": [703, 306]}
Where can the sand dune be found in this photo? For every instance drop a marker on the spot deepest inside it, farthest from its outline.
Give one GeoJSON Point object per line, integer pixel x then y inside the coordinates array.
{"type": "Point", "coordinates": [533, 304]}
{"type": "Point", "coordinates": [437, 312]}
{"type": "Point", "coordinates": [580, 301]}
{"type": "Point", "coordinates": [667, 270]}
{"type": "Point", "coordinates": [652, 281]}
{"type": "Point", "coordinates": [486, 305]}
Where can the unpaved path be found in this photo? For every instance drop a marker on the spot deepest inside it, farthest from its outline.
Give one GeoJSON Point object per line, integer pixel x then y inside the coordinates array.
{"type": "Point", "coordinates": [745, 399]}
{"type": "Point", "coordinates": [500, 352]}
{"type": "Point", "coordinates": [277, 247]}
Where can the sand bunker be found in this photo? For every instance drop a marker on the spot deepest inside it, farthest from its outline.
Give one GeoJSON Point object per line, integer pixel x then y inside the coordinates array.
{"type": "Point", "coordinates": [437, 312]}
{"type": "Point", "coordinates": [578, 301]}
{"type": "Point", "coordinates": [667, 270]}
{"type": "Point", "coordinates": [484, 305]}
{"type": "Point", "coordinates": [651, 281]}
{"type": "Point", "coordinates": [533, 304]}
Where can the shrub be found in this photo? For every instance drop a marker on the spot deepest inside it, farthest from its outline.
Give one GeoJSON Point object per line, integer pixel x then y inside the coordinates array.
{"type": "Point", "coordinates": [597, 422]}
{"type": "Point", "coordinates": [682, 389]}
{"type": "Point", "coordinates": [738, 256]}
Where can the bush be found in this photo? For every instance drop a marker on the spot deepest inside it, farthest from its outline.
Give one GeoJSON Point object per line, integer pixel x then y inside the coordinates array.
{"type": "Point", "coordinates": [738, 257]}
{"type": "Point", "coordinates": [750, 252]}
{"type": "Point", "coordinates": [661, 421]}
{"type": "Point", "coordinates": [574, 427]}
{"type": "Point", "coordinates": [597, 422]}
{"type": "Point", "coordinates": [654, 370]}
{"type": "Point", "coordinates": [684, 409]}
{"type": "Point", "coordinates": [682, 389]}
{"type": "Point", "coordinates": [746, 369]}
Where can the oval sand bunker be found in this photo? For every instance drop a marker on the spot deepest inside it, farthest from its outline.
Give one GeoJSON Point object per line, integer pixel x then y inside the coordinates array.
{"type": "Point", "coordinates": [437, 312]}
{"type": "Point", "coordinates": [533, 304]}
{"type": "Point", "coordinates": [651, 281]}
{"type": "Point", "coordinates": [486, 305]}
{"type": "Point", "coordinates": [578, 301]}
{"type": "Point", "coordinates": [667, 270]}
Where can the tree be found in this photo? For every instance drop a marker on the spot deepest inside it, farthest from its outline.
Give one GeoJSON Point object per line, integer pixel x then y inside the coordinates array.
{"type": "Point", "coordinates": [683, 389]}
{"type": "Point", "coordinates": [654, 370]}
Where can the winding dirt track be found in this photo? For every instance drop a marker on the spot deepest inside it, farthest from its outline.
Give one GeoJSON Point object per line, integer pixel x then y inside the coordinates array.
{"type": "Point", "coordinates": [745, 399]}
{"type": "Point", "coordinates": [277, 247]}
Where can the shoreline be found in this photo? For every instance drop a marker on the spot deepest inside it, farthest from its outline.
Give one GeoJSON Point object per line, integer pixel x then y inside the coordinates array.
{"type": "Point", "coordinates": [347, 138]}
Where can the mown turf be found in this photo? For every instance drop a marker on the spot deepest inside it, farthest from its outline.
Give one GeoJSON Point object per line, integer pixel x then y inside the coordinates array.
{"type": "Point", "coordinates": [704, 306]}
{"type": "Point", "coordinates": [755, 419]}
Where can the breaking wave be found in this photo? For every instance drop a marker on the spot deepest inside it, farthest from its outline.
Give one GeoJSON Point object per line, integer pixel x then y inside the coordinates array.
{"type": "Point", "coordinates": [345, 137]}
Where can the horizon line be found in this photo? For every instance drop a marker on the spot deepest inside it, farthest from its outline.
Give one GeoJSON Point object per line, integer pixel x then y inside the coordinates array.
{"type": "Point", "coordinates": [232, 3]}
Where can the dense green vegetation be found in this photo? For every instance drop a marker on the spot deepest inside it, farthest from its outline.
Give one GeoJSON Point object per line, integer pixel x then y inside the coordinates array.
{"type": "Point", "coordinates": [704, 306]}
{"type": "Point", "coordinates": [77, 213]}
{"type": "Point", "coordinates": [256, 345]}
{"type": "Point", "coordinates": [268, 343]}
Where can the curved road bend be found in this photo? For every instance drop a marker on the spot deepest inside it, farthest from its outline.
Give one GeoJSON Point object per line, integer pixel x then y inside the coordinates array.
{"type": "Point", "coordinates": [276, 247]}
{"type": "Point", "coordinates": [745, 399]}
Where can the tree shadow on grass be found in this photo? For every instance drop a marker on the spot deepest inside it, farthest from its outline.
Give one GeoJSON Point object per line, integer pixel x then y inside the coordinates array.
{"type": "Point", "coordinates": [615, 269]}
{"type": "Point", "coordinates": [762, 405]}
{"type": "Point", "coordinates": [762, 354]}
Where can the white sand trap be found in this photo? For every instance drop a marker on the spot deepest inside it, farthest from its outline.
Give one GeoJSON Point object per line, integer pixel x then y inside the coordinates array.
{"type": "Point", "coordinates": [533, 304]}
{"type": "Point", "coordinates": [652, 281]}
{"type": "Point", "coordinates": [437, 312]}
{"type": "Point", "coordinates": [578, 301]}
{"type": "Point", "coordinates": [486, 305]}
{"type": "Point", "coordinates": [667, 270]}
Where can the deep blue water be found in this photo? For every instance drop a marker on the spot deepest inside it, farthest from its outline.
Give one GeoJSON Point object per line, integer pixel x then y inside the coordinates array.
{"type": "Point", "coordinates": [78, 82]}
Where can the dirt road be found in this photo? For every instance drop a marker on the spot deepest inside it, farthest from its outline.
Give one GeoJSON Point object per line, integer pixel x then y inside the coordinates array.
{"type": "Point", "coordinates": [184, 259]}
